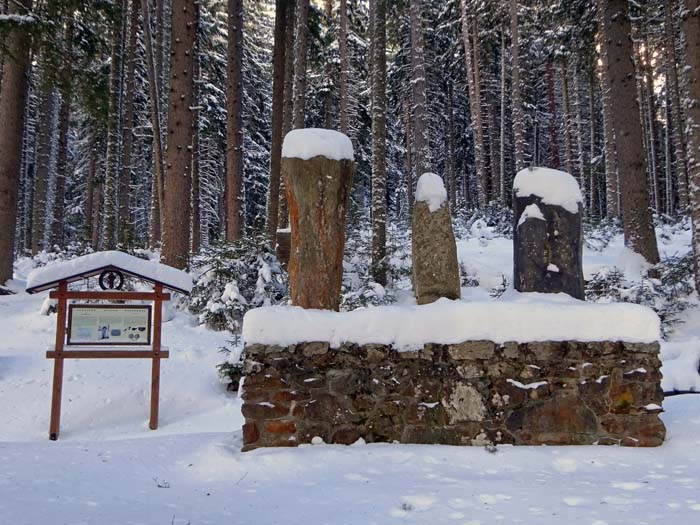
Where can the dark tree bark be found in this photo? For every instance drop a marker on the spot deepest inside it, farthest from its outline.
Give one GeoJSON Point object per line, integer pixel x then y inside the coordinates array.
{"type": "Point", "coordinates": [379, 266]}
{"type": "Point", "coordinates": [639, 230]}
{"type": "Point", "coordinates": [66, 90]}
{"type": "Point", "coordinates": [125, 229]}
{"type": "Point", "coordinates": [278, 76]}
{"type": "Point", "coordinates": [691, 26]}
{"type": "Point", "coordinates": [12, 104]}
{"type": "Point", "coordinates": [518, 115]}
{"type": "Point", "coordinates": [111, 178]}
{"type": "Point", "coordinates": [421, 141]}
{"type": "Point", "coordinates": [300, 59]}
{"type": "Point", "coordinates": [234, 123]}
{"type": "Point", "coordinates": [196, 238]}
{"type": "Point", "coordinates": [176, 209]}
{"type": "Point", "coordinates": [288, 117]}
{"type": "Point", "coordinates": [344, 65]}
{"type": "Point", "coordinates": [154, 90]}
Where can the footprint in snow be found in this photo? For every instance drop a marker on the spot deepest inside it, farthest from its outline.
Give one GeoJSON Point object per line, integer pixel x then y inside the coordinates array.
{"type": "Point", "coordinates": [491, 499]}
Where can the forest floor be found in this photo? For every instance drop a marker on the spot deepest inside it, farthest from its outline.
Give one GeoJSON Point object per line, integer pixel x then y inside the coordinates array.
{"type": "Point", "coordinates": [108, 468]}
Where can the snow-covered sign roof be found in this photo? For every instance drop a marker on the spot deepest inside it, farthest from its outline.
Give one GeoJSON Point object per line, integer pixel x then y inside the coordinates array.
{"type": "Point", "coordinates": [522, 318]}
{"type": "Point", "coordinates": [95, 263]}
{"type": "Point", "coordinates": [316, 142]}
{"type": "Point", "coordinates": [552, 186]}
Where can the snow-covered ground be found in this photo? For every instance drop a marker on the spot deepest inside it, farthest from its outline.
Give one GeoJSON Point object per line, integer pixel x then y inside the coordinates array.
{"type": "Point", "coordinates": [108, 468]}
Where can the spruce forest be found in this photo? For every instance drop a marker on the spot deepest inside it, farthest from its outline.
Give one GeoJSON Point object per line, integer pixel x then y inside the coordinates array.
{"type": "Point", "coordinates": [136, 123]}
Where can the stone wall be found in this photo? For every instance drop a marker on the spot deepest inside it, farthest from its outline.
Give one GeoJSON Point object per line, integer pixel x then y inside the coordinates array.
{"type": "Point", "coordinates": [474, 393]}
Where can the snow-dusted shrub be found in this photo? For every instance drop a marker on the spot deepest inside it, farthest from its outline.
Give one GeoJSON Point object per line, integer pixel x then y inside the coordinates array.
{"type": "Point", "coordinates": [597, 236]}
{"type": "Point", "coordinates": [496, 220]}
{"type": "Point", "coordinates": [668, 294]}
{"type": "Point", "coordinates": [233, 278]}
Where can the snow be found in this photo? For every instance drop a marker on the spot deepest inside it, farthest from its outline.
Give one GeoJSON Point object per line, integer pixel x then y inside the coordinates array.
{"type": "Point", "coordinates": [314, 142]}
{"type": "Point", "coordinates": [521, 318]}
{"type": "Point", "coordinates": [56, 271]}
{"type": "Point", "coordinates": [531, 211]}
{"type": "Point", "coordinates": [108, 467]}
{"type": "Point", "coordinates": [430, 189]}
{"type": "Point", "coordinates": [552, 186]}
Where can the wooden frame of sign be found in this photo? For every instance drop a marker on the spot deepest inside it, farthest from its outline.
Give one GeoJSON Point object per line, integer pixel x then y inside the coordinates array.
{"type": "Point", "coordinates": [63, 351]}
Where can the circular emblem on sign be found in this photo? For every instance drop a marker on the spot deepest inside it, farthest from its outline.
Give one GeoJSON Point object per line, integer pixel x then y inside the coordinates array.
{"type": "Point", "coordinates": [111, 280]}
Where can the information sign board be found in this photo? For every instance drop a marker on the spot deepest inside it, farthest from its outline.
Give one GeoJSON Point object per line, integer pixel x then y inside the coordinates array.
{"type": "Point", "coordinates": [109, 325]}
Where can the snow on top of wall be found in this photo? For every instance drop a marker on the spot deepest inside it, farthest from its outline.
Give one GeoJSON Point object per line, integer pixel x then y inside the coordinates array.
{"type": "Point", "coordinates": [431, 189]}
{"type": "Point", "coordinates": [169, 276]}
{"type": "Point", "coordinates": [552, 186]}
{"type": "Point", "coordinates": [532, 211]}
{"type": "Point", "coordinates": [314, 142]}
{"type": "Point", "coordinates": [522, 318]}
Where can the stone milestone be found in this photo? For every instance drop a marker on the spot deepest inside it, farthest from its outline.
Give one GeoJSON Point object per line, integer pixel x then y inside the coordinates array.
{"type": "Point", "coordinates": [547, 236]}
{"type": "Point", "coordinates": [435, 266]}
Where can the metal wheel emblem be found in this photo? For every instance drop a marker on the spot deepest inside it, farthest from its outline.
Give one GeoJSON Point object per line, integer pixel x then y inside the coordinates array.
{"type": "Point", "coordinates": [111, 280]}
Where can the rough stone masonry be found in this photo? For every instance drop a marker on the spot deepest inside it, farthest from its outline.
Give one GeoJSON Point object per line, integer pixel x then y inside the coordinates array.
{"type": "Point", "coordinates": [473, 393]}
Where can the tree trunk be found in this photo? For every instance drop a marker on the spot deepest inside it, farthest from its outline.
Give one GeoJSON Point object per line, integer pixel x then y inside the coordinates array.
{"type": "Point", "coordinates": [421, 141]}
{"type": "Point", "coordinates": [502, 139]}
{"type": "Point", "coordinates": [668, 149]}
{"type": "Point", "coordinates": [518, 117]}
{"type": "Point", "coordinates": [196, 238]}
{"type": "Point", "coordinates": [288, 117]}
{"type": "Point", "coordinates": [691, 26]}
{"type": "Point", "coordinates": [90, 190]}
{"type": "Point", "coordinates": [553, 132]}
{"type": "Point", "coordinates": [612, 187]}
{"type": "Point", "coordinates": [639, 230]}
{"type": "Point", "coordinates": [595, 209]}
{"type": "Point", "coordinates": [568, 141]}
{"type": "Point", "coordinates": [66, 90]}
{"type": "Point", "coordinates": [111, 184]}
{"type": "Point", "coordinates": [651, 118]}
{"type": "Point", "coordinates": [409, 156]}
{"type": "Point", "coordinates": [125, 229]}
{"type": "Point", "coordinates": [12, 105]}
{"type": "Point", "coordinates": [680, 150]}
{"type": "Point", "coordinates": [344, 66]}
{"type": "Point", "coordinates": [474, 87]}
{"type": "Point", "coordinates": [451, 164]}
{"type": "Point", "coordinates": [379, 266]}
{"type": "Point", "coordinates": [278, 76]}
{"type": "Point", "coordinates": [176, 209]}
{"type": "Point", "coordinates": [302, 41]}
{"type": "Point", "coordinates": [318, 191]}
{"type": "Point", "coordinates": [45, 144]}
{"type": "Point", "coordinates": [234, 123]}
{"type": "Point", "coordinates": [158, 183]}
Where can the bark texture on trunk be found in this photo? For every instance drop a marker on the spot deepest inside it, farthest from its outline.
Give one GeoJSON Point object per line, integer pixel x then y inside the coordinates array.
{"type": "Point", "coordinates": [278, 76]}
{"type": "Point", "coordinates": [678, 127]}
{"type": "Point", "coordinates": [379, 266]}
{"type": "Point", "coordinates": [43, 164]}
{"type": "Point", "coordinates": [518, 116]}
{"type": "Point", "coordinates": [300, 58]}
{"type": "Point", "coordinates": [288, 117]}
{"type": "Point", "coordinates": [612, 187]}
{"type": "Point", "coordinates": [691, 26]}
{"type": "Point", "coordinates": [639, 230]}
{"type": "Point", "coordinates": [474, 104]}
{"type": "Point", "coordinates": [176, 209]}
{"type": "Point", "coordinates": [111, 178]}
{"type": "Point", "coordinates": [12, 104]}
{"type": "Point", "coordinates": [234, 123]}
{"type": "Point", "coordinates": [318, 191]}
{"type": "Point", "coordinates": [421, 133]}
{"type": "Point", "coordinates": [66, 91]}
{"type": "Point", "coordinates": [125, 235]}
{"type": "Point", "coordinates": [344, 65]}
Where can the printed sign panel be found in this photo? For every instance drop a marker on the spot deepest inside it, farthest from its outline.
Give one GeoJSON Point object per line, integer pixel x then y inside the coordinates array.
{"type": "Point", "coordinates": [109, 325]}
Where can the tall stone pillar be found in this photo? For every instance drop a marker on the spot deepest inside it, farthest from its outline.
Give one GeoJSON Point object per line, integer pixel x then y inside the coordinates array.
{"type": "Point", "coordinates": [435, 266]}
{"type": "Point", "coordinates": [318, 169]}
{"type": "Point", "coordinates": [547, 237]}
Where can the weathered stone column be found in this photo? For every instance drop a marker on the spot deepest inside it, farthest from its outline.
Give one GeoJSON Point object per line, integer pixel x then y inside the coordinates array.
{"type": "Point", "coordinates": [435, 267]}
{"type": "Point", "coordinates": [318, 168]}
{"type": "Point", "coordinates": [547, 238]}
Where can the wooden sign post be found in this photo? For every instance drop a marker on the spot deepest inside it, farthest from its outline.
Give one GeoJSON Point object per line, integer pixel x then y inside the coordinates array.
{"type": "Point", "coordinates": [100, 331]}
